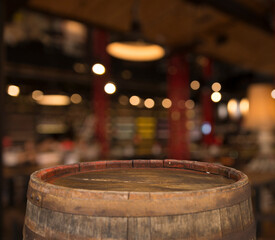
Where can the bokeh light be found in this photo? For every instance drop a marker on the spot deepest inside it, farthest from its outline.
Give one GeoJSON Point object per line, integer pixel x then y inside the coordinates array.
{"type": "Point", "coordinates": [76, 98]}
{"type": "Point", "coordinates": [54, 100]}
{"type": "Point", "coordinates": [79, 67]}
{"type": "Point", "coordinates": [206, 128]}
{"type": "Point", "coordinates": [233, 108]}
{"type": "Point", "coordinates": [123, 100]}
{"type": "Point", "coordinates": [244, 106]}
{"type": "Point", "coordinates": [166, 103]}
{"type": "Point", "coordinates": [216, 97]}
{"type": "Point", "coordinates": [222, 111]}
{"type": "Point", "coordinates": [189, 104]}
{"type": "Point", "coordinates": [202, 61]}
{"type": "Point", "coordinates": [149, 103]}
{"type": "Point", "coordinates": [98, 69]}
{"type": "Point", "coordinates": [37, 94]}
{"type": "Point", "coordinates": [134, 100]}
{"type": "Point", "coordinates": [13, 90]}
{"type": "Point", "coordinates": [216, 87]}
{"type": "Point", "coordinates": [195, 85]}
{"type": "Point", "coordinates": [110, 88]}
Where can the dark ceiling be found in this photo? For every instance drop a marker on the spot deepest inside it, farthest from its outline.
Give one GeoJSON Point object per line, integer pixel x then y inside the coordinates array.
{"type": "Point", "coordinates": [235, 31]}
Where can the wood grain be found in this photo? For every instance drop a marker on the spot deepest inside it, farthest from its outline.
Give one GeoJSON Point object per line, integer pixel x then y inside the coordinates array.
{"type": "Point", "coordinates": [142, 180]}
{"type": "Point", "coordinates": [139, 199]}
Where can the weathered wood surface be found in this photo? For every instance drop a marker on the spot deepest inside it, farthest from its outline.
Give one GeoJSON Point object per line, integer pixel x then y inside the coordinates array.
{"type": "Point", "coordinates": [142, 180]}
{"type": "Point", "coordinates": [223, 212]}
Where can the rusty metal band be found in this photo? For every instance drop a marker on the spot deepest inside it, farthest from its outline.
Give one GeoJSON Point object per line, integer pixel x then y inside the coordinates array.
{"type": "Point", "coordinates": [139, 204]}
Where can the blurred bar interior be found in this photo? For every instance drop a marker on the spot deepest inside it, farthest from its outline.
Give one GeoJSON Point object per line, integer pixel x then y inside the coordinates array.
{"type": "Point", "coordinates": [125, 79]}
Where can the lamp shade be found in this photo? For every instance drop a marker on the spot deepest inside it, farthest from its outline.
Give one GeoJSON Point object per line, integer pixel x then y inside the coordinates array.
{"type": "Point", "coordinates": [138, 51]}
{"type": "Point", "coordinates": [261, 114]}
{"type": "Point", "coordinates": [133, 46]}
{"type": "Point", "coordinates": [54, 100]}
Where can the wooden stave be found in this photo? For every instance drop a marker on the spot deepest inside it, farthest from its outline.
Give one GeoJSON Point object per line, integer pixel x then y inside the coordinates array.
{"type": "Point", "coordinates": [144, 198]}
{"type": "Point", "coordinates": [187, 226]}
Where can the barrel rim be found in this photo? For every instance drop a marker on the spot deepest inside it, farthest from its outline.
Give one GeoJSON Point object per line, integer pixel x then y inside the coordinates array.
{"type": "Point", "coordinates": [212, 168]}
{"type": "Point", "coordinates": [228, 172]}
{"type": "Point", "coordinates": [119, 203]}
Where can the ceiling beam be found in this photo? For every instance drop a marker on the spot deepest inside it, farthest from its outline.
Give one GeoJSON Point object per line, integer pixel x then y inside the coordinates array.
{"type": "Point", "coordinates": [239, 11]}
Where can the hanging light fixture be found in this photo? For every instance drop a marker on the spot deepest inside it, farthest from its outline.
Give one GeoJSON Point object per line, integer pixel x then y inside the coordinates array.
{"type": "Point", "coordinates": [54, 100]}
{"type": "Point", "coordinates": [133, 46]}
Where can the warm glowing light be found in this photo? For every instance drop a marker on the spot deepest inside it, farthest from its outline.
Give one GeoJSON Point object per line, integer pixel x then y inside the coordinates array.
{"type": "Point", "coordinates": [203, 61]}
{"type": "Point", "coordinates": [244, 106]}
{"type": "Point", "coordinates": [261, 114]}
{"type": "Point", "coordinates": [273, 93]}
{"type": "Point", "coordinates": [54, 100]}
{"type": "Point", "coordinates": [166, 103]}
{"type": "Point", "coordinates": [233, 108]}
{"type": "Point", "coordinates": [222, 111]}
{"type": "Point", "coordinates": [51, 128]}
{"type": "Point", "coordinates": [216, 87]}
{"type": "Point", "coordinates": [189, 104]}
{"type": "Point", "coordinates": [135, 51]}
{"type": "Point", "coordinates": [13, 90]}
{"type": "Point", "coordinates": [149, 103]}
{"type": "Point", "coordinates": [123, 100]}
{"type": "Point", "coordinates": [76, 98]}
{"type": "Point", "coordinates": [134, 100]}
{"type": "Point", "coordinates": [98, 69]}
{"type": "Point", "coordinates": [74, 28]}
{"type": "Point", "coordinates": [216, 97]}
{"type": "Point", "coordinates": [79, 67]}
{"type": "Point", "coordinates": [110, 88]}
{"type": "Point", "coordinates": [206, 128]}
{"type": "Point", "coordinates": [195, 85]}
{"type": "Point", "coordinates": [37, 94]}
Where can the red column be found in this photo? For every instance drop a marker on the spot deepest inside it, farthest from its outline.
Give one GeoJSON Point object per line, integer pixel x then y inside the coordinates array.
{"type": "Point", "coordinates": [178, 92]}
{"type": "Point", "coordinates": [207, 104]}
{"type": "Point", "coordinates": [100, 98]}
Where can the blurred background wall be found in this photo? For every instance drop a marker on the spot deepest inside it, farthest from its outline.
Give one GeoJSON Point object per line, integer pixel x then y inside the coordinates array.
{"type": "Point", "coordinates": [207, 95]}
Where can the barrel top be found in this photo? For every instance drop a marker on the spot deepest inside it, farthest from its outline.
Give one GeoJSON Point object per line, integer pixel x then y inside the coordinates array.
{"type": "Point", "coordinates": [142, 180]}
{"type": "Point", "coordinates": [137, 187]}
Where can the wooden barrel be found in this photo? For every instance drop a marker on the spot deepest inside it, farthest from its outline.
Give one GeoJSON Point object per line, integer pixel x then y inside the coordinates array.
{"type": "Point", "coordinates": [139, 200]}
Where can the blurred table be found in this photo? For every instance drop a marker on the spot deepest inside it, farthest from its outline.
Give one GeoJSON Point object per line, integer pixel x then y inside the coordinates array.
{"type": "Point", "coordinates": [22, 170]}
{"type": "Point", "coordinates": [11, 174]}
{"type": "Point", "coordinates": [258, 182]}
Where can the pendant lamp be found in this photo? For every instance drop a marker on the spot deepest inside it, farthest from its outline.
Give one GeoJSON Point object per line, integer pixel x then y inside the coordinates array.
{"type": "Point", "coordinates": [133, 46]}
